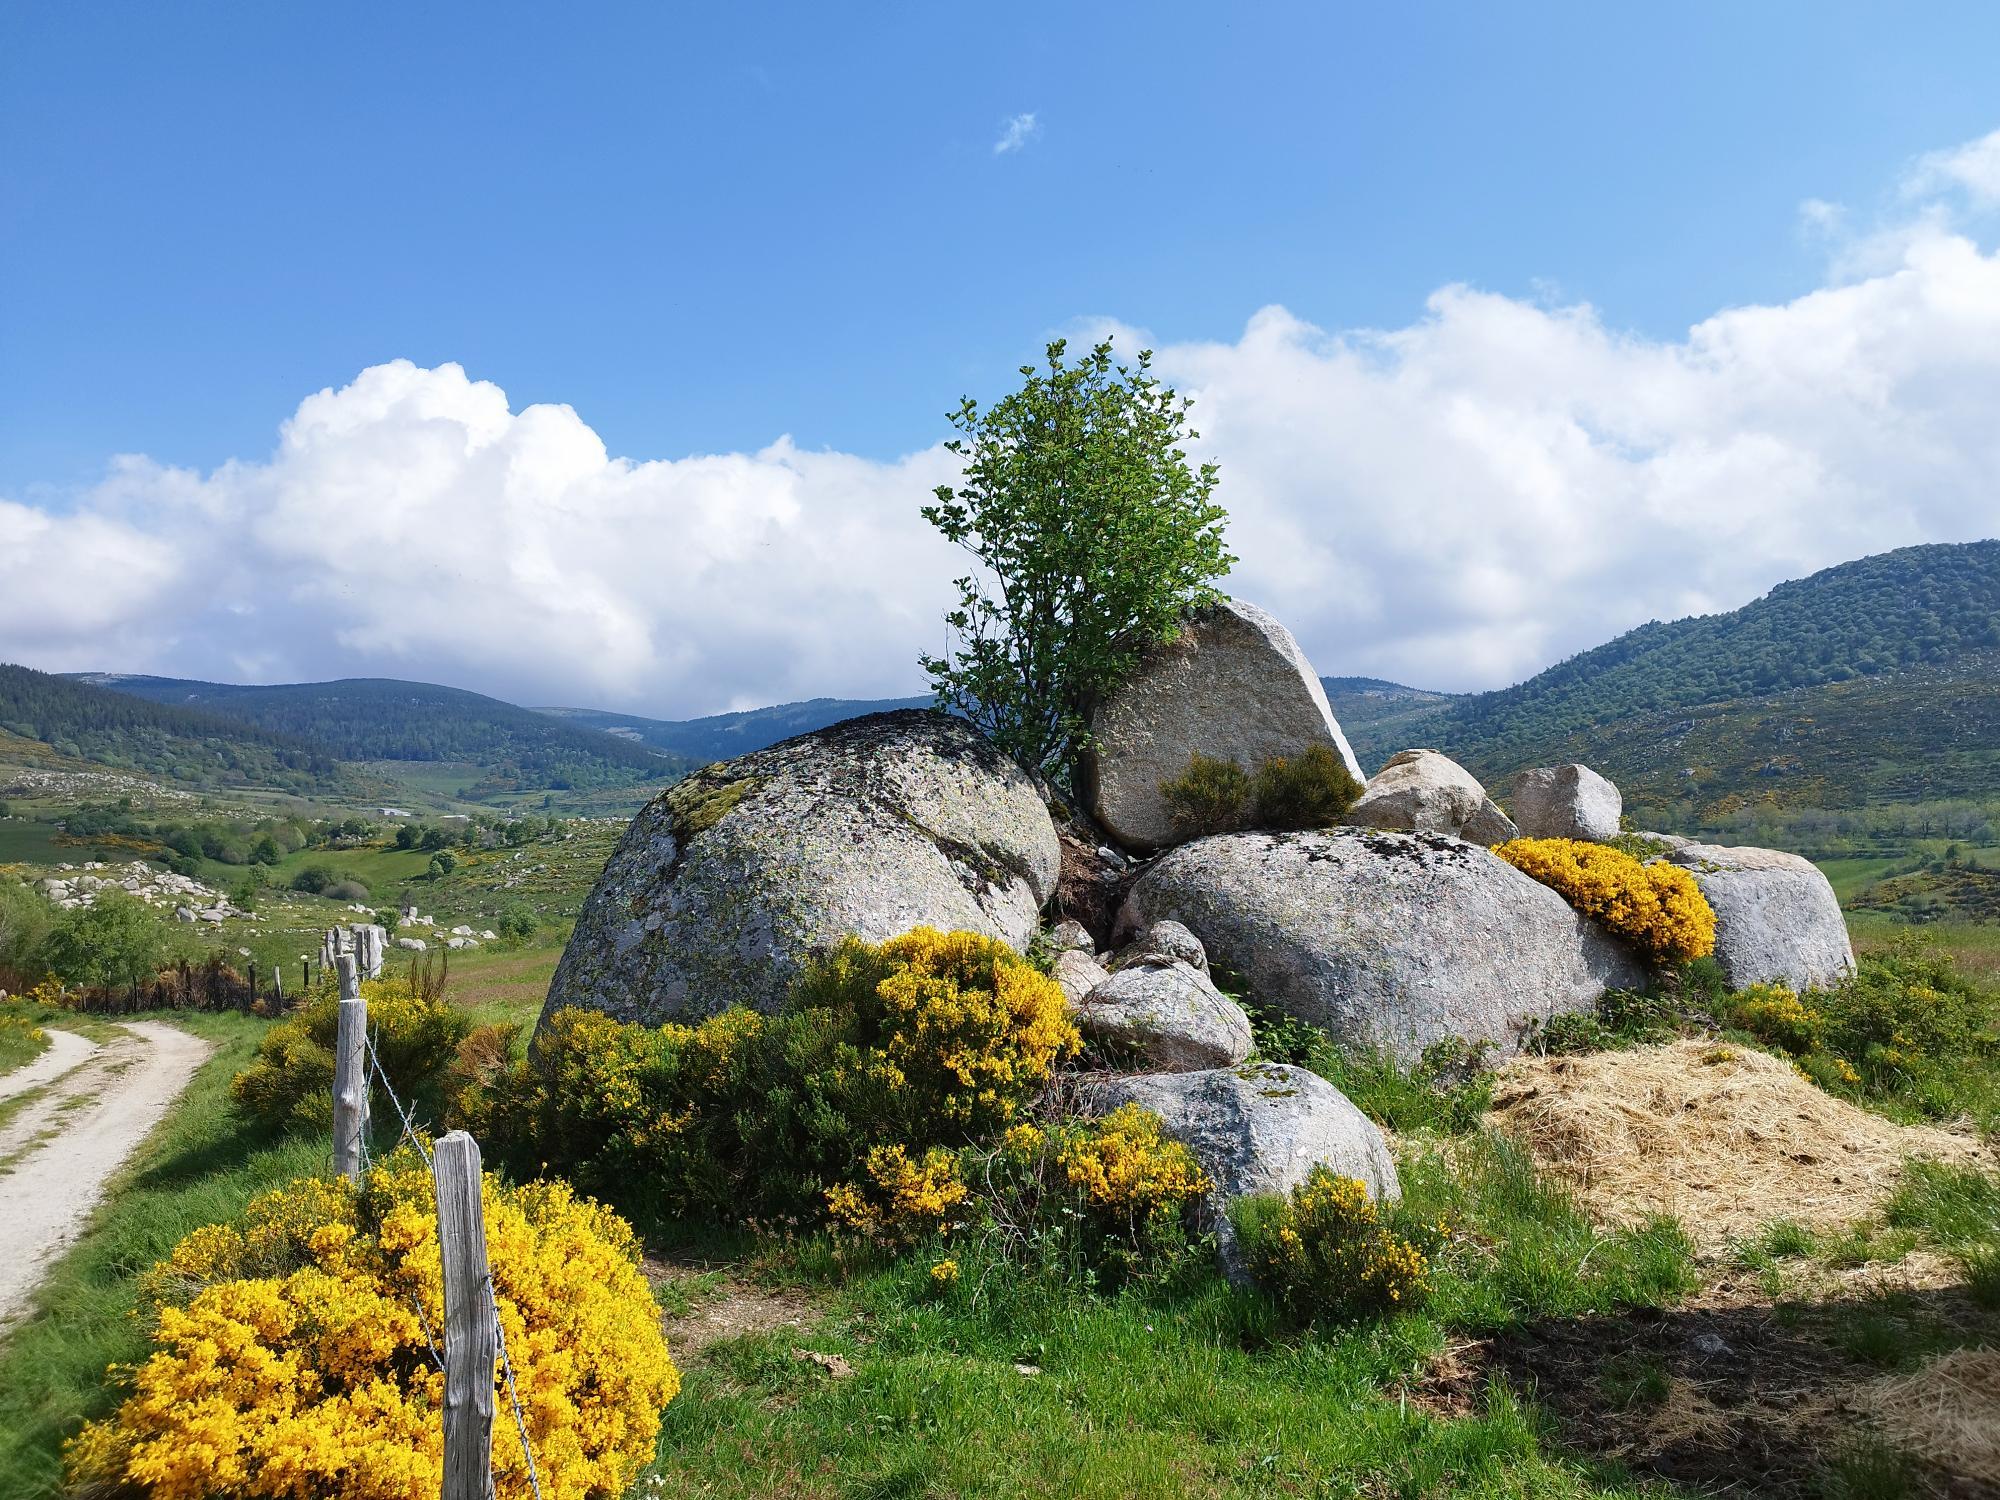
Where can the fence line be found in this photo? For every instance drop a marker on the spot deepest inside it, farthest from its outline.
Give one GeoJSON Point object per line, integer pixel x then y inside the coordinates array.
{"type": "Point", "coordinates": [473, 1334]}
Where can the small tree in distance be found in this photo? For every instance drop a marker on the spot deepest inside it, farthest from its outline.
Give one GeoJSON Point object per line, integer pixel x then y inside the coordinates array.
{"type": "Point", "coordinates": [1096, 536]}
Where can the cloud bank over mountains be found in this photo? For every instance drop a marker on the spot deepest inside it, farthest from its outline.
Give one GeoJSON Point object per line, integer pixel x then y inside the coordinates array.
{"type": "Point", "coordinates": [1454, 503]}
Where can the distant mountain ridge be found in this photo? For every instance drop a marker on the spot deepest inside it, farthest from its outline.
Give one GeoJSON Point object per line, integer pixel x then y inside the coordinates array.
{"type": "Point", "coordinates": [726, 736]}
{"type": "Point", "coordinates": [382, 719]}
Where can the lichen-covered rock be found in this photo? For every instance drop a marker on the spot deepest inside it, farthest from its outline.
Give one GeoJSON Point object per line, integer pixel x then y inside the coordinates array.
{"type": "Point", "coordinates": [1233, 685]}
{"type": "Point", "coordinates": [1257, 1128]}
{"type": "Point", "coordinates": [1776, 917]}
{"type": "Point", "coordinates": [1163, 943]}
{"type": "Point", "coordinates": [1167, 1015]}
{"type": "Point", "coordinates": [1566, 802]}
{"type": "Point", "coordinates": [1388, 940]}
{"type": "Point", "coordinates": [726, 884]}
{"type": "Point", "coordinates": [1422, 791]}
{"type": "Point", "coordinates": [1071, 934]}
{"type": "Point", "coordinates": [1078, 973]}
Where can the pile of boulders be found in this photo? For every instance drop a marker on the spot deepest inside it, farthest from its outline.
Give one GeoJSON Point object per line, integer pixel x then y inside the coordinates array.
{"type": "Point", "coordinates": [191, 900]}
{"type": "Point", "coordinates": [1399, 930]}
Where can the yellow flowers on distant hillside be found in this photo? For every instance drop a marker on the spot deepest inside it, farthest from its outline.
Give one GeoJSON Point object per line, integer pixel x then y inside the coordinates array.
{"type": "Point", "coordinates": [292, 1351]}
{"type": "Point", "coordinates": [1657, 907]}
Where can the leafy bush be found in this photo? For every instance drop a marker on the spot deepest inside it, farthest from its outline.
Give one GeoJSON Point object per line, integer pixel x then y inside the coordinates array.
{"type": "Point", "coordinates": [291, 1082]}
{"type": "Point", "coordinates": [26, 919]}
{"type": "Point", "coordinates": [292, 1350]}
{"type": "Point", "coordinates": [1310, 790]}
{"type": "Point", "coordinates": [943, 1035]}
{"type": "Point", "coordinates": [930, 1039]}
{"type": "Point", "coordinates": [1095, 537]}
{"type": "Point", "coordinates": [116, 940]}
{"type": "Point", "coordinates": [1313, 789]}
{"type": "Point", "coordinates": [313, 880]}
{"type": "Point", "coordinates": [516, 924]}
{"type": "Point", "coordinates": [1326, 1254]}
{"type": "Point", "coordinates": [1905, 1027]}
{"type": "Point", "coordinates": [1657, 907]}
{"type": "Point", "coordinates": [897, 1201]}
{"type": "Point", "coordinates": [21, 1038]}
{"type": "Point", "coordinates": [1210, 796]}
{"type": "Point", "coordinates": [346, 890]}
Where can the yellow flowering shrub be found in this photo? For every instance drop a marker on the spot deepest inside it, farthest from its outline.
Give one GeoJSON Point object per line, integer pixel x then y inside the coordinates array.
{"type": "Point", "coordinates": [1127, 1166]}
{"type": "Point", "coordinates": [291, 1080]}
{"type": "Point", "coordinates": [1657, 907]}
{"type": "Point", "coordinates": [899, 1201]}
{"type": "Point", "coordinates": [1326, 1253]}
{"type": "Point", "coordinates": [292, 1351]}
{"type": "Point", "coordinates": [944, 1275]}
{"type": "Point", "coordinates": [20, 1037]}
{"type": "Point", "coordinates": [1776, 1016]}
{"type": "Point", "coordinates": [953, 1030]}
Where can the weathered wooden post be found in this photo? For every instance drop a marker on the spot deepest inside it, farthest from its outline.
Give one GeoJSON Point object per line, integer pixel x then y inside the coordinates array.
{"type": "Point", "coordinates": [350, 1075]}
{"type": "Point", "coordinates": [471, 1330]}
{"type": "Point", "coordinates": [250, 997]}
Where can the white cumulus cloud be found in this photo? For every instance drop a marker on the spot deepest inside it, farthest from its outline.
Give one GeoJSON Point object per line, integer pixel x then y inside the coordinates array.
{"type": "Point", "coordinates": [1456, 502]}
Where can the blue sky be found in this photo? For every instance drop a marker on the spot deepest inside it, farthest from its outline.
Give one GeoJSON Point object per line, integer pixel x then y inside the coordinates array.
{"type": "Point", "coordinates": [706, 228]}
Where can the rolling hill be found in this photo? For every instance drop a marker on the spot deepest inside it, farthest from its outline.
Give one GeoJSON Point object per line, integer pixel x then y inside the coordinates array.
{"type": "Point", "coordinates": [726, 736]}
{"type": "Point", "coordinates": [379, 719]}
{"type": "Point", "coordinates": [188, 745]}
{"type": "Point", "coordinates": [1874, 681]}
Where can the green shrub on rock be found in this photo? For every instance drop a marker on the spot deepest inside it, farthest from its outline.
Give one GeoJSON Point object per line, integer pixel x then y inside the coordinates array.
{"type": "Point", "coordinates": [1312, 789]}
{"type": "Point", "coordinates": [1211, 796]}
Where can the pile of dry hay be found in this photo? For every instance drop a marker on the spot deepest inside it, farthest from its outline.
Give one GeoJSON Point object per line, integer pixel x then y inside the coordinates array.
{"type": "Point", "coordinates": [1726, 1139]}
{"type": "Point", "coordinates": [1947, 1412]}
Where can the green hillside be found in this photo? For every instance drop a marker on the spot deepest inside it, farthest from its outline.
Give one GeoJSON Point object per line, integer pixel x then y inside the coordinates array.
{"type": "Point", "coordinates": [190, 746]}
{"type": "Point", "coordinates": [1379, 718]}
{"type": "Point", "coordinates": [494, 747]}
{"type": "Point", "coordinates": [1875, 681]}
{"type": "Point", "coordinates": [726, 736]}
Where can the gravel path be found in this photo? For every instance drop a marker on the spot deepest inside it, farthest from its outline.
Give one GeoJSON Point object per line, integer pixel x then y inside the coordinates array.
{"type": "Point", "coordinates": [65, 1050]}
{"type": "Point", "coordinates": [63, 1146]}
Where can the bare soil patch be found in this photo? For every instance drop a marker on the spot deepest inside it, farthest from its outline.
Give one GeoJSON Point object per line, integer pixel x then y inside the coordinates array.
{"type": "Point", "coordinates": [727, 1308]}
{"type": "Point", "coordinates": [1725, 1138]}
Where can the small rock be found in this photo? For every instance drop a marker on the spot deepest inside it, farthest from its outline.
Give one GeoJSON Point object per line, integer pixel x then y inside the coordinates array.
{"type": "Point", "coordinates": [1421, 791]}
{"type": "Point", "coordinates": [1163, 943]}
{"type": "Point", "coordinates": [1071, 934]}
{"type": "Point", "coordinates": [1078, 973]}
{"type": "Point", "coordinates": [1169, 1016]}
{"type": "Point", "coordinates": [1709, 1345]}
{"type": "Point", "coordinates": [833, 1364]}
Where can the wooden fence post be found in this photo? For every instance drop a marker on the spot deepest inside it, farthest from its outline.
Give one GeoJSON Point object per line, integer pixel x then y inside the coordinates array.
{"type": "Point", "coordinates": [350, 1075]}
{"type": "Point", "coordinates": [471, 1332]}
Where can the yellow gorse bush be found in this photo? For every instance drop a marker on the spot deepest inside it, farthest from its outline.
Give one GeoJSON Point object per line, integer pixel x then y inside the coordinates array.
{"type": "Point", "coordinates": [1325, 1252]}
{"type": "Point", "coordinates": [1125, 1164]}
{"type": "Point", "coordinates": [1658, 907]}
{"type": "Point", "coordinates": [292, 1357]}
{"type": "Point", "coordinates": [964, 1028]}
{"type": "Point", "coordinates": [900, 1201]}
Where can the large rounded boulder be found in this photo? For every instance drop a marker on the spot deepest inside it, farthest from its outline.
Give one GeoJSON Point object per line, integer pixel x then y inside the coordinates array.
{"type": "Point", "coordinates": [1567, 802]}
{"type": "Point", "coordinates": [728, 883]}
{"type": "Point", "coordinates": [1776, 917]}
{"type": "Point", "coordinates": [1233, 685]}
{"type": "Point", "coordinates": [1388, 940]}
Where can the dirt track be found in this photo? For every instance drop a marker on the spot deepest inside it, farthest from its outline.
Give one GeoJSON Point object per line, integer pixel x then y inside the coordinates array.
{"type": "Point", "coordinates": [78, 1125]}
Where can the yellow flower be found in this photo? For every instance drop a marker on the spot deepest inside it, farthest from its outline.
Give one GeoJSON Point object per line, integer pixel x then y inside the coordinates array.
{"type": "Point", "coordinates": [945, 1273]}
{"type": "Point", "coordinates": [1657, 906]}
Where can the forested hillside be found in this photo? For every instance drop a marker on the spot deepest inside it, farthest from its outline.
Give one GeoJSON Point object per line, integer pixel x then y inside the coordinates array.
{"type": "Point", "coordinates": [379, 719]}
{"type": "Point", "coordinates": [1878, 680]}
{"type": "Point", "coordinates": [725, 736]}
{"type": "Point", "coordinates": [186, 745]}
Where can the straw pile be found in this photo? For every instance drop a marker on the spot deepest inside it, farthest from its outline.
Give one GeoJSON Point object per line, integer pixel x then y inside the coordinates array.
{"type": "Point", "coordinates": [1947, 1412]}
{"type": "Point", "coordinates": [1724, 1138]}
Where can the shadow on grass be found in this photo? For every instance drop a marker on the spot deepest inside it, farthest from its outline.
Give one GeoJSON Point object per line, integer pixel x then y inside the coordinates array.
{"type": "Point", "coordinates": [1763, 1398]}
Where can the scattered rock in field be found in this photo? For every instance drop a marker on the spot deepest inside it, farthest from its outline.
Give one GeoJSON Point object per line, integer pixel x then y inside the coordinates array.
{"type": "Point", "coordinates": [1167, 1015]}
{"type": "Point", "coordinates": [1388, 940]}
{"type": "Point", "coordinates": [412, 945]}
{"type": "Point", "coordinates": [1257, 1129]}
{"type": "Point", "coordinates": [1776, 917]}
{"type": "Point", "coordinates": [1078, 973]}
{"type": "Point", "coordinates": [1566, 802]}
{"type": "Point", "coordinates": [726, 884]}
{"type": "Point", "coordinates": [1421, 791]}
{"type": "Point", "coordinates": [1233, 685]}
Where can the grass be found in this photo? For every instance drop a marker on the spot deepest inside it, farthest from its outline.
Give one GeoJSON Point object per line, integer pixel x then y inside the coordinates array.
{"type": "Point", "coordinates": [21, 1041]}
{"type": "Point", "coordinates": [1010, 1384]}
{"type": "Point", "coordinates": [201, 1166]}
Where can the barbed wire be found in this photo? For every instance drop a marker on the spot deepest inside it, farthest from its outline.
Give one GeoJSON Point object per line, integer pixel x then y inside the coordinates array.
{"type": "Point", "coordinates": [415, 1138]}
